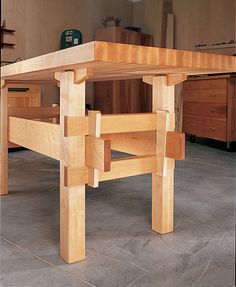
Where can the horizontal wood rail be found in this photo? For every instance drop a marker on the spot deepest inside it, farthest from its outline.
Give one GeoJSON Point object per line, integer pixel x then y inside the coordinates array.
{"type": "Point", "coordinates": [130, 166]}
{"type": "Point", "coordinates": [45, 138]}
{"type": "Point", "coordinates": [37, 136]}
{"type": "Point", "coordinates": [120, 123]}
{"type": "Point", "coordinates": [34, 112]}
{"type": "Point", "coordinates": [120, 168]}
{"type": "Point", "coordinates": [144, 143]}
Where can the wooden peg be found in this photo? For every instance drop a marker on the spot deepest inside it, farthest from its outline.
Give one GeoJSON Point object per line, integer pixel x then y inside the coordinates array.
{"type": "Point", "coordinates": [95, 131]}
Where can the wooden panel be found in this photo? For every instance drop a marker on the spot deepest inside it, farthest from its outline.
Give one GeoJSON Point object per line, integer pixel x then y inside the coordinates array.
{"type": "Point", "coordinates": [231, 110]}
{"type": "Point", "coordinates": [127, 96]}
{"type": "Point", "coordinates": [205, 109]}
{"type": "Point", "coordinates": [128, 123]}
{"type": "Point", "coordinates": [207, 83]}
{"type": "Point", "coordinates": [113, 124]}
{"type": "Point", "coordinates": [3, 142]}
{"type": "Point", "coordinates": [103, 100]}
{"type": "Point", "coordinates": [136, 143]}
{"type": "Point", "coordinates": [31, 88]}
{"type": "Point", "coordinates": [204, 96]}
{"type": "Point", "coordinates": [121, 35]}
{"type": "Point", "coordinates": [31, 97]}
{"type": "Point", "coordinates": [33, 101]}
{"type": "Point", "coordinates": [34, 113]}
{"type": "Point", "coordinates": [104, 58]}
{"type": "Point", "coordinates": [144, 143]}
{"type": "Point", "coordinates": [37, 136]}
{"type": "Point", "coordinates": [205, 127]}
{"type": "Point", "coordinates": [175, 145]}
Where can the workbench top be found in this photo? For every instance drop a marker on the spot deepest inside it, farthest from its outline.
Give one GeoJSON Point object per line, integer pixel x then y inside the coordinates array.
{"type": "Point", "coordinates": [105, 60]}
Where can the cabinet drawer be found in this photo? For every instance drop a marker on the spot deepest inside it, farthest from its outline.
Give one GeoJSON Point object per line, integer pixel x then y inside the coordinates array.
{"type": "Point", "coordinates": [205, 127]}
{"type": "Point", "coordinates": [23, 102]}
{"type": "Point", "coordinates": [206, 84]}
{"type": "Point", "coordinates": [205, 96]}
{"type": "Point", "coordinates": [205, 109]}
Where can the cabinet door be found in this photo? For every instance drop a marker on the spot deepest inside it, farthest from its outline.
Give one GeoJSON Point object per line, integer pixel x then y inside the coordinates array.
{"type": "Point", "coordinates": [126, 96]}
{"type": "Point", "coordinates": [103, 97]}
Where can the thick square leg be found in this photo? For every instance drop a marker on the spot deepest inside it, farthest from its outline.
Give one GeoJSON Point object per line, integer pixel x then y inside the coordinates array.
{"type": "Point", "coordinates": [72, 222]}
{"type": "Point", "coordinates": [3, 141]}
{"type": "Point", "coordinates": [163, 179]}
{"type": "Point", "coordinates": [72, 154]}
{"type": "Point", "coordinates": [163, 202]}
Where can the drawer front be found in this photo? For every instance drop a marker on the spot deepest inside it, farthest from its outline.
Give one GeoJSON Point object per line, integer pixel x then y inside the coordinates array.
{"type": "Point", "coordinates": [206, 84]}
{"type": "Point", "coordinates": [205, 127]}
{"type": "Point", "coordinates": [205, 96]}
{"type": "Point", "coordinates": [205, 109]}
{"type": "Point", "coordinates": [24, 102]}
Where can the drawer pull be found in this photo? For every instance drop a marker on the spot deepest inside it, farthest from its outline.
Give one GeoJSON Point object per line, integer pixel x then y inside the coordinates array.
{"type": "Point", "coordinates": [212, 110]}
{"type": "Point", "coordinates": [212, 128]}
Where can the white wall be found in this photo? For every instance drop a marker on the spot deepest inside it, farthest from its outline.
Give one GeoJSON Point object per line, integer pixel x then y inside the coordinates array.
{"type": "Point", "coordinates": [203, 22]}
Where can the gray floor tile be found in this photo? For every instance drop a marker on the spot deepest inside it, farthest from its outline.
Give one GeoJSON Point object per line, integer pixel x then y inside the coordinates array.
{"type": "Point", "coordinates": [21, 269]}
{"type": "Point", "coordinates": [121, 248]}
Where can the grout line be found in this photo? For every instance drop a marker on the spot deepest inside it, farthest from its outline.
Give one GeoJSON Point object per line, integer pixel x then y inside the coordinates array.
{"type": "Point", "coordinates": [119, 260]}
{"type": "Point", "coordinates": [135, 280]}
{"type": "Point", "coordinates": [45, 261]}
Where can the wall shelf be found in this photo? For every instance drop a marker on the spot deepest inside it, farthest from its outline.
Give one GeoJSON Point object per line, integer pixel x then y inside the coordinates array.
{"type": "Point", "coordinates": [4, 31]}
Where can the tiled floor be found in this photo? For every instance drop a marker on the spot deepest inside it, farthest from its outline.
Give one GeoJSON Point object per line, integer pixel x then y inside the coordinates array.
{"type": "Point", "coordinates": [121, 248]}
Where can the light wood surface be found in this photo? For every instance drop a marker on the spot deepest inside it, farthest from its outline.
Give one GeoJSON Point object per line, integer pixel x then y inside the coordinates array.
{"type": "Point", "coordinates": [119, 123]}
{"type": "Point", "coordinates": [124, 167]}
{"type": "Point", "coordinates": [116, 60]}
{"type": "Point", "coordinates": [23, 95]}
{"type": "Point", "coordinates": [3, 140]}
{"type": "Point", "coordinates": [136, 143]}
{"type": "Point", "coordinates": [72, 154]}
{"type": "Point", "coordinates": [98, 153]}
{"type": "Point", "coordinates": [163, 179]}
{"type": "Point", "coordinates": [175, 145]}
{"type": "Point", "coordinates": [120, 168]}
{"type": "Point", "coordinates": [34, 112]}
{"type": "Point", "coordinates": [94, 130]}
{"type": "Point", "coordinates": [37, 136]}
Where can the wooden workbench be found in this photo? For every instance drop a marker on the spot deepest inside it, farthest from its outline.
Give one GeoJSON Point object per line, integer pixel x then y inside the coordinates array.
{"type": "Point", "coordinates": [83, 144]}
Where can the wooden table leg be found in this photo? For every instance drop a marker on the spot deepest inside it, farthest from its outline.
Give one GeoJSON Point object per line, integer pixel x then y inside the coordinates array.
{"type": "Point", "coordinates": [72, 199]}
{"type": "Point", "coordinates": [163, 179]}
{"type": "Point", "coordinates": [3, 141]}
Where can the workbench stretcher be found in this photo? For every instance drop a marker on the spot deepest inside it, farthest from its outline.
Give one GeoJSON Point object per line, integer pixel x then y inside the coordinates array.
{"type": "Point", "coordinates": [83, 143]}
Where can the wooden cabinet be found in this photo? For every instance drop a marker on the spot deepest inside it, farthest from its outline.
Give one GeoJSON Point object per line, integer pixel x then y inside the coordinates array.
{"type": "Point", "coordinates": [126, 96]}
{"type": "Point", "coordinates": [209, 108]}
{"type": "Point", "coordinates": [23, 96]}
